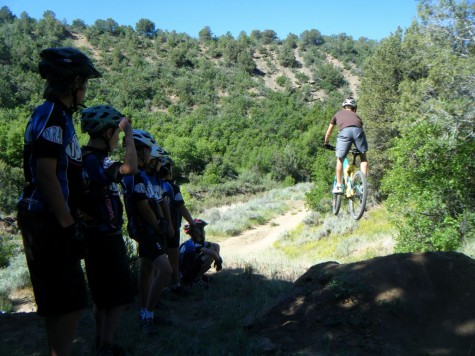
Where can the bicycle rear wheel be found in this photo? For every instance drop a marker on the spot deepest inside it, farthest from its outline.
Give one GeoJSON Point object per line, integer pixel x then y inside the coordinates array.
{"type": "Point", "coordinates": [357, 202]}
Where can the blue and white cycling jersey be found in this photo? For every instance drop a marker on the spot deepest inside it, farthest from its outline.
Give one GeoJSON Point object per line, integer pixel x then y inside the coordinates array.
{"type": "Point", "coordinates": [50, 134]}
{"type": "Point", "coordinates": [137, 188]}
{"type": "Point", "coordinates": [102, 206]}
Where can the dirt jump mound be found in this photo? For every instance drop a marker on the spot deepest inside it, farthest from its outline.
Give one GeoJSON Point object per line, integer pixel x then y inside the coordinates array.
{"type": "Point", "coordinates": [402, 304]}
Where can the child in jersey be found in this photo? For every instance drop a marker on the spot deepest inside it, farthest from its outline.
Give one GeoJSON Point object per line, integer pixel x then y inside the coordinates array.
{"type": "Point", "coordinates": [106, 259]}
{"type": "Point", "coordinates": [178, 210]}
{"type": "Point", "coordinates": [145, 225]}
{"type": "Point", "coordinates": [197, 255]}
{"type": "Point", "coordinates": [48, 214]}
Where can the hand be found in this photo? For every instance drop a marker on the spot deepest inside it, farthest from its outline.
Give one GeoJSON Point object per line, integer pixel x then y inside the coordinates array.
{"type": "Point", "coordinates": [218, 264]}
{"type": "Point", "coordinates": [75, 233]}
{"type": "Point", "coordinates": [125, 124]}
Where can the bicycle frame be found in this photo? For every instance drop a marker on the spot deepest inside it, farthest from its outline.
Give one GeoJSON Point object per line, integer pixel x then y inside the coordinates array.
{"type": "Point", "coordinates": [348, 174]}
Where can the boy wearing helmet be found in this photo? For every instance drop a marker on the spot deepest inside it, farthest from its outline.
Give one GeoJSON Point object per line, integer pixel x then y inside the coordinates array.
{"type": "Point", "coordinates": [145, 225]}
{"type": "Point", "coordinates": [48, 214]}
{"type": "Point", "coordinates": [350, 131]}
{"type": "Point", "coordinates": [106, 259]}
{"type": "Point", "coordinates": [178, 210]}
{"type": "Point", "coordinates": [197, 255]}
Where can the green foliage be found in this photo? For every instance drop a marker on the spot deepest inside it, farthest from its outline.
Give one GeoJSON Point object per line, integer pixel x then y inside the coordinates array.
{"type": "Point", "coordinates": [145, 27]}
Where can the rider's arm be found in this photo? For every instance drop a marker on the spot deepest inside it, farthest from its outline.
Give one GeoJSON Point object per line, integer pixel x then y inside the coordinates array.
{"type": "Point", "coordinates": [50, 187]}
{"type": "Point", "coordinates": [329, 132]}
{"type": "Point", "coordinates": [148, 215]}
{"type": "Point", "coordinates": [129, 166]}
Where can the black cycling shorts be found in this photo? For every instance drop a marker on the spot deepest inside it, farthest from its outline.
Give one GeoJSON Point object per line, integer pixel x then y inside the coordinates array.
{"type": "Point", "coordinates": [108, 270]}
{"type": "Point", "coordinates": [152, 246]}
{"type": "Point", "coordinates": [55, 268]}
{"type": "Point", "coordinates": [174, 241]}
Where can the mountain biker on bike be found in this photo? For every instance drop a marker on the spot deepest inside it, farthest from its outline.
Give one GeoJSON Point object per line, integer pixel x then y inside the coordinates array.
{"type": "Point", "coordinates": [350, 131]}
{"type": "Point", "coordinates": [48, 208]}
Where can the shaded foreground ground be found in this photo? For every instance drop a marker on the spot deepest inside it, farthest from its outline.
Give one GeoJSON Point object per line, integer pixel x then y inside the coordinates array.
{"type": "Point", "coordinates": [402, 304]}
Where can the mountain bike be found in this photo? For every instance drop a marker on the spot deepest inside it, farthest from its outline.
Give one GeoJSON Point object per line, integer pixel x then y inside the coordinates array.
{"type": "Point", "coordinates": [354, 187]}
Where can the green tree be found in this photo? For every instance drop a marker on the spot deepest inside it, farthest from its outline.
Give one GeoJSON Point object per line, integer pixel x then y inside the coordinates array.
{"type": "Point", "coordinates": [205, 35]}
{"type": "Point", "coordinates": [6, 16]}
{"type": "Point", "coordinates": [145, 27]}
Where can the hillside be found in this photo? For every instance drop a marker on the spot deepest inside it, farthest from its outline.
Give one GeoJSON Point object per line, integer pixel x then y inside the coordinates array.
{"type": "Point", "coordinates": [268, 68]}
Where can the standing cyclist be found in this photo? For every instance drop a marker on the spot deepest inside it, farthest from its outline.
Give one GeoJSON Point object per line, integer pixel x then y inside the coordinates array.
{"type": "Point", "coordinates": [145, 225]}
{"type": "Point", "coordinates": [350, 131]}
{"type": "Point", "coordinates": [107, 266]}
{"type": "Point", "coordinates": [178, 210]}
{"type": "Point", "coordinates": [48, 207]}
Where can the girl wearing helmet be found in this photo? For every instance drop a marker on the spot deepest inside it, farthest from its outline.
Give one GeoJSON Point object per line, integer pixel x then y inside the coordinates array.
{"type": "Point", "coordinates": [145, 225]}
{"type": "Point", "coordinates": [197, 255]}
{"type": "Point", "coordinates": [350, 131]}
{"type": "Point", "coordinates": [106, 259]}
{"type": "Point", "coordinates": [48, 214]}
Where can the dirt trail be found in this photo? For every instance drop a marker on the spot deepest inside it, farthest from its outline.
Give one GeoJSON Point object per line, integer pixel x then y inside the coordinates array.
{"type": "Point", "coordinates": [253, 242]}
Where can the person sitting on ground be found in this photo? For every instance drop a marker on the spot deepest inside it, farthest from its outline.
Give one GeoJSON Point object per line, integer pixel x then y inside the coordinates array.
{"type": "Point", "coordinates": [350, 131]}
{"type": "Point", "coordinates": [197, 256]}
{"type": "Point", "coordinates": [106, 261]}
{"type": "Point", "coordinates": [146, 226]}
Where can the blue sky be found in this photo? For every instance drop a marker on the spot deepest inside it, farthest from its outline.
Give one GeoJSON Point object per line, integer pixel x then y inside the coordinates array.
{"type": "Point", "coordinates": [374, 19]}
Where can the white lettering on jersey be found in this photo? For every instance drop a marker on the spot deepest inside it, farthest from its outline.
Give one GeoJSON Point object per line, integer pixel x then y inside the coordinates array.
{"type": "Point", "coordinates": [139, 188]}
{"type": "Point", "coordinates": [108, 163]}
{"type": "Point", "coordinates": [73, 150]}
{"type": "Point", "coordinates": [53, 134]}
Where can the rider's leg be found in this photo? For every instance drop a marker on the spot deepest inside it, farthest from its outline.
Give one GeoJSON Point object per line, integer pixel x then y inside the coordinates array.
{"type": "Point", "coordinates": [162, 271]}
{"type": "Point", "coordinates": [339, 169]}
{"type": "Point", "coordinates": [364, 164]}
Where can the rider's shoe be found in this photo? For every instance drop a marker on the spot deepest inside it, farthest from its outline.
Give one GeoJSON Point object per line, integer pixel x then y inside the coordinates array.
{"type": "Point", "coordinates": [338, 189]}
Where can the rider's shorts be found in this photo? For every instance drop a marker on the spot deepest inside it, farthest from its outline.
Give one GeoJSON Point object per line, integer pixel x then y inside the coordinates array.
{"type": "Point", "coordinates": [55, 268]}
{"type": "Point", "coordinates": [348, 136]}
{"type": "Point", "coordinates": [108, 271]}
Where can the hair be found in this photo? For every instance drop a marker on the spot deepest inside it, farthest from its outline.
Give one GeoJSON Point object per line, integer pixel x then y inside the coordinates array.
{"type": "Point", "coordinates": [59, 86]}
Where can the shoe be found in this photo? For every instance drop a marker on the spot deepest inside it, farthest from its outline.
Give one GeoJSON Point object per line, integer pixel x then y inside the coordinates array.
{"type": "Point", "coordinates": [338, 189]}
{"type": "Point", "coordinates": [149, 327]}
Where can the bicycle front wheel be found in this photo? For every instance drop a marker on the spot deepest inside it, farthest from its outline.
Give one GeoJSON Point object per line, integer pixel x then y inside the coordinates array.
{"type": "Point", "coordinates": [357, 202]}
{"type": "Point", "coordinates": [336, 203]}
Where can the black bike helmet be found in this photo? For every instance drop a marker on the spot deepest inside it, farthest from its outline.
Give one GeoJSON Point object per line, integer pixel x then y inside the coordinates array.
{"type": "Point", "coordinates": [66, 62]}
{"type": "Point", "coordinates": [167, 161]}
{"type": "Point", "coordinates": [143, 138]}
{"type": "Point", "coordinates": [197, 223]}
{"type": "Point", "coordinates": [96, 119]}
